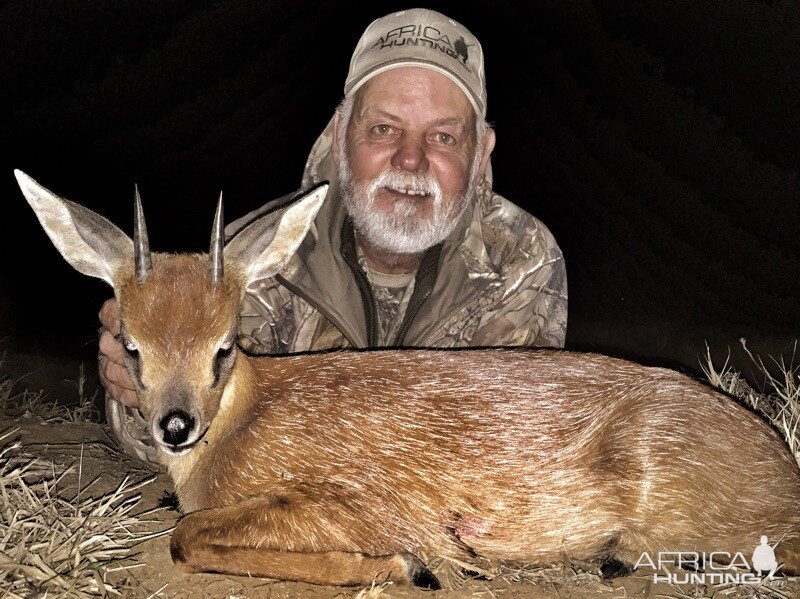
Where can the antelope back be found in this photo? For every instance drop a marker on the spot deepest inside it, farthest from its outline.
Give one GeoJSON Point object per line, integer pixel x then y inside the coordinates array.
{"type": "Point", "coordinates": [179, 312]}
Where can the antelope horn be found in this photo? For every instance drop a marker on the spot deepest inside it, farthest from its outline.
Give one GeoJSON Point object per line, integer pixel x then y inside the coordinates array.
{"type": "Point", "coordinates": [217, 242]}
{"type": "Point", "coordinates": [141, 244]}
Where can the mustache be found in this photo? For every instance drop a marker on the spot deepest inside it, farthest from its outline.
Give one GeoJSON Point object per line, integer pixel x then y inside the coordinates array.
{"type": "Point", "coordinates": [419, 183]}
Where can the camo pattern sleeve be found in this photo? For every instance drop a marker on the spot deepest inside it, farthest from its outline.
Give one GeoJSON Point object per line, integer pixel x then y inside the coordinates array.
{"type": "Point", "coordinates": [276, 321]}
{"type": "Point", "coordinates": [273, 320]}
{"type": "Point", "coordinates": [263, 326]}
{"type": "Point", "coordinates": [533, 308]}
{"type": "Point", "coordinates": [518, 270]}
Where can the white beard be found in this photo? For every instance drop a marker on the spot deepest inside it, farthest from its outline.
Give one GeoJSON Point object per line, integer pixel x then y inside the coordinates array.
{"type": "Point", "coordinates": [403, 230]}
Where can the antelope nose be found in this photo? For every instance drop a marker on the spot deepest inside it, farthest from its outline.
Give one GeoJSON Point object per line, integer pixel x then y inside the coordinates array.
{"type": "Point", "coordinates": [176, 426]}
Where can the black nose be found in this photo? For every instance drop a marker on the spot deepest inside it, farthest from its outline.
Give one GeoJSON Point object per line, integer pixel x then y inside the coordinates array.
{"type": "Point", "coordinates": [176, 426]}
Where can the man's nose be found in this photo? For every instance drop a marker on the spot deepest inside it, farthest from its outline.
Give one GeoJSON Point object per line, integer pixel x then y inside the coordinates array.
{"type": "Point", "coordinates": [410, 155]}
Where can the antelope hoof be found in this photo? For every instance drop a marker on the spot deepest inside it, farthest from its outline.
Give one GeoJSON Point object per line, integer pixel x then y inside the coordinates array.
{"type": "Point", "coordinates": [180, 549]}
{"type": "Point", "coordinates": [613, 568]}
{"type": "Point", "coordinates": [418, 573]}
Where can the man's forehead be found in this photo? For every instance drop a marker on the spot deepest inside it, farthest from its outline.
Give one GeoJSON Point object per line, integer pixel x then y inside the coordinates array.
{"type": "Point", "coordinates": [414, 93]}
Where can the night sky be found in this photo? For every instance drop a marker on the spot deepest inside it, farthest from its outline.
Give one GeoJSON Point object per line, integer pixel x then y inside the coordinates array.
{"type": "Point", "coordinates": [657, 140]}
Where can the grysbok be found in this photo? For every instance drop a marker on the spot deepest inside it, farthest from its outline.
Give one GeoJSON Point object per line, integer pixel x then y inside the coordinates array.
{"type": "Point", "coordinates": [340, 467]}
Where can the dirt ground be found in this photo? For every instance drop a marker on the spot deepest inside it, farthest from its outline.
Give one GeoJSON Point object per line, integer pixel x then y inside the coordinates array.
{"type": "Point", "coordinates": [150, 571]}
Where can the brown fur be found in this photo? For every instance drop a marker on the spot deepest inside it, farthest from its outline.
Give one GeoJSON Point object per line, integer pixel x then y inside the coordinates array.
{"type": "Point", "coordinates": [176, 318]}
{"type": "Point", "coordinates": [521, 455]}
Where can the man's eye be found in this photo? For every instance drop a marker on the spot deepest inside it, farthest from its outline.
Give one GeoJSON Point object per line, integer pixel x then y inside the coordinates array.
{"type": "Point", "coordinates": [382, 129]}
{"type": "Point", "coordinates": [445, 138]}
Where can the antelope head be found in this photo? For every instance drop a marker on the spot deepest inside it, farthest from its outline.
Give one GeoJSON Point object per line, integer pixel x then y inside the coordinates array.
{"type": "Point", "coordinates": [179, 312]}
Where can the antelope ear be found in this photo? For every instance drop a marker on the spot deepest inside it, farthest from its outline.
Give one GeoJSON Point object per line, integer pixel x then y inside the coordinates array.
{"type": "Point", "coordinates": [265, 246]}
{"type": "Point", "coordinates": [89, 242]}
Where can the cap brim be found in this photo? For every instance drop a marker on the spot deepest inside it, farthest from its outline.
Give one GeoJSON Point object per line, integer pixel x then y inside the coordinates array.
{"type": "Point", "coordinates": [394, 64]}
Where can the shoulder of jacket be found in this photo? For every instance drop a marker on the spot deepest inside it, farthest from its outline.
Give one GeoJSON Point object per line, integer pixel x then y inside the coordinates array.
{"type": "Point", "coordinates": [511, 234]}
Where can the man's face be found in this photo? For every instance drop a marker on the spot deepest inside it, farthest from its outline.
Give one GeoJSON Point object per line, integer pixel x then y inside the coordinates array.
{"type": "Point", "coordinates": [409, 160]}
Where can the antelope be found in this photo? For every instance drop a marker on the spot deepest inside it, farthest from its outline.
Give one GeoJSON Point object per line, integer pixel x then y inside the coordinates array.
{"type": "Point", "coordinates": [340, 467]}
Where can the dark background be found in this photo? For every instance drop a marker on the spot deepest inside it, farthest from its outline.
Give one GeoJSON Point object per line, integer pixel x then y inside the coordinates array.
{"type": "Point", "coordinates": [657, 139]}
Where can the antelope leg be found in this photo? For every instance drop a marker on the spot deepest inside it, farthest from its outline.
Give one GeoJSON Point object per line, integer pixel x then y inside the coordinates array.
{"type": "Point", "coordinates": [273, 538]}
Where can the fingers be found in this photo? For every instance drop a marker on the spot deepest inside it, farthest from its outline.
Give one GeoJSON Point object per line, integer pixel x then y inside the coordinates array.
{"type": "Point", "coordinates": [117, 382]}
{"type": "Point", "coordinates": [124, 396]}
{"type": "Point", "coordinates": [113, 374]}
{"type": "Point", "coordinates": [127, 397]}
{"type": "Point", "coordinates": [110, 316]}
{"type": "Point", "coordinates": [116, 375]}
{"type": "Point", "coordinates": [111, 348]}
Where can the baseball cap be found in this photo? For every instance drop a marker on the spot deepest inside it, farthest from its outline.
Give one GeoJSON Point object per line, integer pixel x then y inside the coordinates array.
{"type": "Point", "coordinates": [420, 37]}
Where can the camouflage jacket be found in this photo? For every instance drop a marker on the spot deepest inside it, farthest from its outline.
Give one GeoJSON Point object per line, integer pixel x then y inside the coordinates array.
{"type": "Point", "coordinates": [497, 280]}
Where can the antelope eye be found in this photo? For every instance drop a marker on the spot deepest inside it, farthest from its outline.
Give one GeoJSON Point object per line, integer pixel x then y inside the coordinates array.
{"type": "Point", "coordinates": [225, 348]}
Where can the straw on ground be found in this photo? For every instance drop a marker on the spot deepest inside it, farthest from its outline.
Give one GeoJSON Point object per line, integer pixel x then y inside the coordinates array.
{"type": "Point", "coordinates": [779, 399]}
{"type": "Point", "coordinates": [57, 539]}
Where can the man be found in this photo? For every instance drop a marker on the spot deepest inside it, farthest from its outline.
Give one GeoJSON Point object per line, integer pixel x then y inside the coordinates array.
{"type": "Point", "coordinates": [411, 247]}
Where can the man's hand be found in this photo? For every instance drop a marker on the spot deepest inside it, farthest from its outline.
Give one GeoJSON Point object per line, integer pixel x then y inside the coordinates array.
{"type": "Point", "coordinates": [113, 374]}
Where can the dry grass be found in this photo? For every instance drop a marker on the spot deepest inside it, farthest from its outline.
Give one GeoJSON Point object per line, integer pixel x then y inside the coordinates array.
{"type": "Point", "coordinates": [30, 404]}
{"type": "Point", "coordinates": [779, 401]}
{"type": "Point", "coordinates": [453, 574]}
{"type": "Point", "coordinates": [552, 576]}
{"type": "Point", "coordinates": [59, 543]}
{"type": "Point", "coordinates": [375, 590]}
{"type": "Point", "coordinates": [85, 410]}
